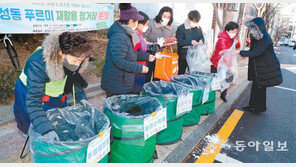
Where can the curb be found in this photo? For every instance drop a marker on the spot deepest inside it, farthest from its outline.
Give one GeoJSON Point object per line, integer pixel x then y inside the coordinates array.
{"type": "Point", "coordinates": [89, 95]}
{"type": "Point", "coordinates": [185, 147]}
{"type": "Point", "coordinates": [6, 114]}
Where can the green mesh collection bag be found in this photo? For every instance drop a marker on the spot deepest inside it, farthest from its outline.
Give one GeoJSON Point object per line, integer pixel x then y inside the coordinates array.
{"type": "Point", "coordinates": [76, 128]}
{"type": "Point", "coordinates": [167, 93]}
{"type": "Point", "coordinates": [209, 105]}
{"type": "Point", "coordinates": [126, 114]}
{"type": "Point", "coordinates": [197, 87]}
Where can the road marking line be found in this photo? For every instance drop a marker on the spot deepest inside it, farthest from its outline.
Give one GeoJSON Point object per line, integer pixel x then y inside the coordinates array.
{"type": "Point", "coordinates": [293, 90]}
{"type": "Point", "coordinates": [226, 159]}
{"type": "Point", "coordinates": [213, 149]}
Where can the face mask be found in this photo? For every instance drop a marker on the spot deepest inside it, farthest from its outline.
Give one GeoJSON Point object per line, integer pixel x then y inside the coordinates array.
{"type": "Point", "coordinates": [164, 21]}
{"type": "Point", "coordinates": [231, 35]}
{"type": "Point", "coordinates": [134, 28]}
{"type": "Point", "coordinates": [69, 66]}
{"type": "Point", "coordinates": [193, 25]}
{"type": "Point", "coordinates": [145, 29]}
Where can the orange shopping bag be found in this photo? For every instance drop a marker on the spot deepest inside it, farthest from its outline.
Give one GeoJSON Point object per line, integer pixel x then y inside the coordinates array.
{"type": "Point", "coordinates": [166, 64]}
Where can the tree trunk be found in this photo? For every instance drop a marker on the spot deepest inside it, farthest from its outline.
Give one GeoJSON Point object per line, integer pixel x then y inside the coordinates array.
{"type": "Point", "coordinates": [241, 13]}
{"type": "Point", "coordinates": [240, 22]}
{"type": "Point", "coordinates": [217, 16]}
{"type": "Point", "coordinates": [224, 14]}
{"type": "Point", "coordinates": [267, 16]}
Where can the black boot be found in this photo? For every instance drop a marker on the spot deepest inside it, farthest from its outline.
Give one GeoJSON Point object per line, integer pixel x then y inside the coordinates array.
{"type": "Point", "coordinates": [262, 109]}
{"type": "Point", "coordinates": [254, 110]}
{"type": "Point", "coordinates": [223, 95]}
{"type": "Point", "coordinates": [247, 108]}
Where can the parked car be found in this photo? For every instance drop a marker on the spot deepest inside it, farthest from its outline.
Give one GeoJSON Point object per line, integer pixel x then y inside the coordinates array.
{"type": "Point", "coordinates": [281, 41]}
{"type": "Point", "coordinates": [292, 42]}
{"type": "Point", "coordinates": [286, 42]}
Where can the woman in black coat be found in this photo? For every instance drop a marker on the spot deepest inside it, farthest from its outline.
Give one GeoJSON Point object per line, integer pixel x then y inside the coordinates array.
{"type": "Point", "coordinates": [264, 67]}
{"type": "Point", "coordinates": [188, 34]}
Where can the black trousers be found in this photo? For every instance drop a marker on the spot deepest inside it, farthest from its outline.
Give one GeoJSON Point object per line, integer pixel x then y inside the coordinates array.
{"type": "Point", "coordinates": [214, 70]}
{"type": "Point", "coordinates": [182, 63]}
{"type": "Point", "coordinates": [150, 73]}
{"type": "Point", "coordinates": [258, 97]}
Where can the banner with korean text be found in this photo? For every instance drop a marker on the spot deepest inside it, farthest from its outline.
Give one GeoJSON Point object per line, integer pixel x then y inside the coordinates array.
{"type": "Point", "coordinates": [49, 17]}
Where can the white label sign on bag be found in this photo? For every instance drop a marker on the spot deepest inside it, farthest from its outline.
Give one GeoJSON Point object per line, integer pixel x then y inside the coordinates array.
{"type": "Point", "coordinates": [184, 104]}
{"type": "Point", "coordinates": [99, 147]}
{"type": "Point", "coordinates": [206, 93]}
{"type": "Point", "coordinates": [155, 123]}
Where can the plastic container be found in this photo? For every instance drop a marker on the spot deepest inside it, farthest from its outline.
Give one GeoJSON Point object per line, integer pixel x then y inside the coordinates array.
{"type": "Point", "coordinates": [209, 105]}
{"type": "Point", "coordinates": [127, 114]}
{"type": "Point", "coordinates": [167, 93]}
{"type": "Point", "coordinates": [76, 128]}
{"type": "Point", "coordinates": [197, 87]}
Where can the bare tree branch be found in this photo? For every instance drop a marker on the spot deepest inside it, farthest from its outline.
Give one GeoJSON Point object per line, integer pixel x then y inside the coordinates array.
{"type": "Point", "coordinates": [280, 30]}
{"type": "Point", "coordinates": [260, 9]}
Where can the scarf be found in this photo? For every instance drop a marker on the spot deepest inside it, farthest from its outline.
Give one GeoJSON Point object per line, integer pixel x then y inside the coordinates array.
{"type": "Point", "coordinates": [135, 39]}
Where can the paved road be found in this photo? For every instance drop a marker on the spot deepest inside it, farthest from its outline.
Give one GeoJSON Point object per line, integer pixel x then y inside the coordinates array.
{"type": "Point", "coordinates": [253, 132]}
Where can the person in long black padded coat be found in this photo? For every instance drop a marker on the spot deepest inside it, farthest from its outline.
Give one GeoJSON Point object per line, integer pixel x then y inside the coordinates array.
{"type": "Point", "coordinates": [264, 67]}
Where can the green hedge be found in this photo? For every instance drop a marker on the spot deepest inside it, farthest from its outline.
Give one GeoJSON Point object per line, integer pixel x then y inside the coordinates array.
{"type": "Point", "coordinates": [100, 65]}
{"type": "Point", "coordinates": [8, 77]}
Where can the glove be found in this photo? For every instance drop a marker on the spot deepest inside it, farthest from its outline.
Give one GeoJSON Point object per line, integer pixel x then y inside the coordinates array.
{"type": "Point", "coordinates": [160, 41]}
{"type": "Point", "coordinates": [152, 49]}
{"type": "Point", "coordinates": [84, 103]}
{"type": "Point", "coordinates": [51, 135]}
